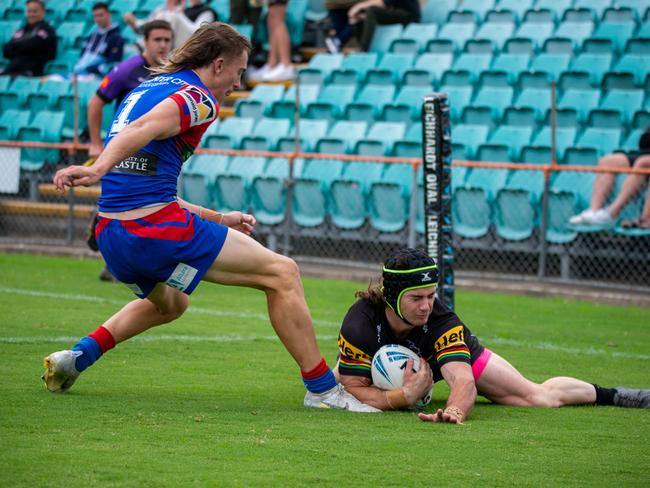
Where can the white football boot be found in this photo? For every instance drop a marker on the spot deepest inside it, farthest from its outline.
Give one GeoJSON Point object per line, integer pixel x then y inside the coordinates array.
{"type": "Point", "coordinates": [339, 399]}
{"type": "Point", "coordinates": [60, 372]}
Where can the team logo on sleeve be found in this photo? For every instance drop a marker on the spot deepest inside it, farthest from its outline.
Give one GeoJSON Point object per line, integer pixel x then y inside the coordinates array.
{"type": "Point", "coordinates": [198, 105]}
{"type": "Point", "coordinates": [453, 337]}
{"type": "Point", "coordinates": [350, 351]}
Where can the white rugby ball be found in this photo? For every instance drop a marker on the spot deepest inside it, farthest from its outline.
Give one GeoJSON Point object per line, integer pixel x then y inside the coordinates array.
{"type": "Point", "coordinates": [388, 365]}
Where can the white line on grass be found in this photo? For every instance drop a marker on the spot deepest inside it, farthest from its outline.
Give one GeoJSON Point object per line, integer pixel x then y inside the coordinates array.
{"type": "Point", "coordinates": [544, 346]}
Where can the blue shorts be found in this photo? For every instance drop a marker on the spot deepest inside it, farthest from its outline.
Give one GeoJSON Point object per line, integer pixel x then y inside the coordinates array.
{"type": "Point", "coordinates": [171, 246]}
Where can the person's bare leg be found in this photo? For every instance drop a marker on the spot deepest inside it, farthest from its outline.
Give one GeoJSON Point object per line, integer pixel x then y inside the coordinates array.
{"type": "Point", "coordinates": [282, 43]}
{"type": "Point", "coordinates": [604, 182]}
{"type": "Point", "coordinates": [164, 304]}
{"type": "Point", "coordinates": [244, 262]}
{"type": "Point", "coordinates": [631, 186]}
{"type": "Point", "coordinates": [503, 384]}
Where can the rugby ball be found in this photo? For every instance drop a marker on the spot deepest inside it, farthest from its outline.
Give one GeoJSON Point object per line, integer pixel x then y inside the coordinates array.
{"type": "Point", "coordinates": [388, 365]}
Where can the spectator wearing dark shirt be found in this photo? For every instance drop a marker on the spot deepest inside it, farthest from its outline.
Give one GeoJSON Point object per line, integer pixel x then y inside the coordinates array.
{"type": "Point", "coordinates": [366, 15]}
{"type": "Point", "coordinates": [104, 46]}
{"type": "Point", "coordinates": [126, 76]}
{"type": "Point", "coordinates": [31, 46]}
{"type": "Point", "coordinates": [605, 216]}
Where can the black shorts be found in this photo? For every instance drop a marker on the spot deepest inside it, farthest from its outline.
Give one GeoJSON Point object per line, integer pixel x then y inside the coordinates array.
{"type": "Point", "coordinates": [632, 156]}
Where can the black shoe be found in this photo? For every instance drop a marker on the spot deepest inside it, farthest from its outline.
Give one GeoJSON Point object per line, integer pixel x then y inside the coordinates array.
{"type": "Point", "coordinates": [632, 398]}
{"type": "Point", "coordinates": [106, 275]}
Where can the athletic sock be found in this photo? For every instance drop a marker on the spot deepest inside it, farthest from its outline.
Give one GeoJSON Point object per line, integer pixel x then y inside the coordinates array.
{"type": "Point", "coordinates": [319, 379]}
{"type": "Point", "coordinates": [92, 347]}
{"type": "Point", "coordinates": [604, 396]}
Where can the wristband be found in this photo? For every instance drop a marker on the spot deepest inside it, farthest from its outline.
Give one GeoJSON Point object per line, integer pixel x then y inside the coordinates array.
{"type": "Point", "coordinates": [396, 399]}
{"type": "Point", "coordinates": [455, 411]}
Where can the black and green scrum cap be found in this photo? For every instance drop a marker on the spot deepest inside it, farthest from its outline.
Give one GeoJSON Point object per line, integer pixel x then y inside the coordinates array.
{"type": "Point", "coordinates": [398, 281]}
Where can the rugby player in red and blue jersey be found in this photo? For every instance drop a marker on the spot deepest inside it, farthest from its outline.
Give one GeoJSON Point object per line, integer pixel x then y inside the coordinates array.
{"type": "Point", "coordinates": [160, 246]}
{"type": "Point", "coordinates": [402, 309]}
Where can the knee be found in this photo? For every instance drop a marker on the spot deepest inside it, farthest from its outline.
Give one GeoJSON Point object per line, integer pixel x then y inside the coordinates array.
{"type": "Point", "coordinates": [613, 160]}
{"type": "Point", "coordinates": [642, 162]}
{"type": "Point", "coordinates": [175, 307]}
{"type": "Point", "coordinates": [543, 396]}
{"type": "Point", "coordinates": [286, 274]}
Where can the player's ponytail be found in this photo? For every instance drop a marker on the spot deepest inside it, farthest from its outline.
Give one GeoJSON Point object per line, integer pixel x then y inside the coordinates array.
{"type": "Point", "coordinates": [210, 41]}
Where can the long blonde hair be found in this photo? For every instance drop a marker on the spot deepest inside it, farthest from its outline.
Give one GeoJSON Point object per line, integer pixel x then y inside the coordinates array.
{"type": "Point", "coordinates": [210, 41]}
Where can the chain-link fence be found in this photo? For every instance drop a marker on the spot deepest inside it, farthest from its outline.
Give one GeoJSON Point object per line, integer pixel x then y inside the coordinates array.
{"type": "Point", "coordinates": [356, 209]}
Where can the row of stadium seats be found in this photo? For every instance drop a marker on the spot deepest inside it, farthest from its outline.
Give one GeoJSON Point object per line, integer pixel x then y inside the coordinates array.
{"type": "Point", "coordinates": [353, 194]}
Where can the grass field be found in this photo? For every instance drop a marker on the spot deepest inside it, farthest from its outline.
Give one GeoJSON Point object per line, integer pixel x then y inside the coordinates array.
{"type": "Point", "coordinates": [215, 400]}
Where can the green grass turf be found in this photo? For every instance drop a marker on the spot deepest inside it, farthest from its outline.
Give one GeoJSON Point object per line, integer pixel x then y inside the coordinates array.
{"type": "Point", "coordinates": [214, 400]}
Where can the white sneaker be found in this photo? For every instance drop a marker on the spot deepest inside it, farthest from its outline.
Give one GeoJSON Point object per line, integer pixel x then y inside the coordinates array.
{"type": "Point", "coordinates": [60, 372]}
{"type": "Point", "coordinates": [281, 72]}
{"type": "Point", "coordinates": [599, 217]}
{"type": "Point", "coordinates": [582, 218]}
{"type": "Point", "coordinates": [333, 45]}
{"type": "Point", "coordinates": [339, 399]}
{"type": "Point", "coordinates": [256, 74]}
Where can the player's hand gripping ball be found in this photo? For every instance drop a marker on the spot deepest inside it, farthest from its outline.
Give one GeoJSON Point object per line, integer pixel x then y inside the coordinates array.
{"type": "Point", "coordinates": [388, 366]}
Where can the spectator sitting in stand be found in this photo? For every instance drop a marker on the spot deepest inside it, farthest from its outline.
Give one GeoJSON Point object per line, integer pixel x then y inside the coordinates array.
{"type": "Point", "coordinates": [183, 21]}
{"type": "Point", "coordinates": [338, 15]}
{"type": "Point", "coordinates": [104, 46]}
{"type": "Point", "coordinates": [31, 46]}
{"type": "Point", "coordinates": [366, 15]}
{"type": "Point", "coordinates": [278, 66]}
{"type": "Point", "coordinates": [598, 214]}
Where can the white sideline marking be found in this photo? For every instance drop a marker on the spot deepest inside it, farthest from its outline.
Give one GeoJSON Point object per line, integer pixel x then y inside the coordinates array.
{"type": "Point", "coordinates": [487, 341]}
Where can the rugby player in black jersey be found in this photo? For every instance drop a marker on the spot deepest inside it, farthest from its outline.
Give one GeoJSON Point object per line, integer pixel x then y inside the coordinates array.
{"type": "Point", "coordinates": [402, 309]}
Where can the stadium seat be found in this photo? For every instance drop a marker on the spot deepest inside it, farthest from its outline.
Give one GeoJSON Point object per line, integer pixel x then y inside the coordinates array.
{"type": "Point", "coordinates": [641, 119]}
{"type": "Point", "coordinates": [197, 181]}
{"type": "Point", "coordinates": [384, 36]}
{"type": "Point", "coordinates": [512, 63]}
{"type": "Point", "coordinates": [536, 154]}
{"type": "Point", "coordinates": [521, 116]}
{"type": "Point", "coordinates": [369, 103]}
{"type": "Point", "coordinates": [575, 80]}
{"type": "Point", "coordinates": [518, 7]}
{"type": "Point", "coordinates": [471, 202]}
{"type": "Point", "coordinates": [319, 68]}
{"type": "Point", "coordinates": [406, 106]}
{"type": "Point", "coordinates": [496, 98]}
{"type": "Point", "coordinates": [537, 32]}
{"type": "Point", "coordinates": [539, 99]}
{"type": "Point", "coordinates": [342, 137]}
{"type": "Point", "coordinates": [563, 203]}
{"type": "Point", "coordinates": [639, 45]}
{"type": "Point", "coordinates": [594, 64]}
{"type": "Point", "coordinates": [311, 191]}
{"type": "Point", "coordinates": [602, 118]}
{"type": "Point", "coordinates": [471, 136]}
{"type": "Point", "coordinates": [48, 96]}
{"type": "Point", "coordinates": [389, 198]}
{"type": "Point", "coordinates": [564, 138]}
{"type": "Point", "coordinates": [45, 127]}
{"type": "Point", "coordinates": [516, 204]}
{"type": "Point", "coordinates": [558, 7]}
{"type": "Point", "coordinates": [349, 193]}
{"type": "Point", "coordinates": [473, 63]}
{"type": "Point", "coordinates": [11, 121]}
{"type": "Point", "coordinates": [414, 38]}
{"type": "Point", "coordinates": [380, 138]}
{"type": "Point", "coordinates": [285, 108]}
{"type": "Point", "coordinates": [634, 63]}
{"type": "Point", "coordinates": [459, 98]}
{"type": "Point", "coordinates": [618, 81]}
{"type": "Point", "coordinates": [603, 140]}
{"type": "Point", "coordinates": [514, 137]}
{"type": "Point", "coordinates": [68, 33]}
{"type": "Point", "coordinates": [231, 191]}
{"type": "Point", "coordinates": [582, 100]}
{"type": "Point", "coordinates": [631, 142]}
{"type": "Point", "coordinates": [458, 33]}
{"type": "Point", "coordinates": [618, 32]}
{"type": "Point", "coordinates": [627, 101]}
{"type": "Point", "coordinates": [553, 64]}
{"type": "Point", "coordinates": [269, 193]}
{"type": "Point", "coordinates": [231, 132]}
{"type": "Point", "coordinates": [428, 68]}
{"type": "Point", "coordinates": [331, 102]}
{"type": "Point", "coordinates": [7, 29]}
{"type": "Point", "coordinates": [255, 105]}
{"type": "Point", "coordinates": [478, 115]}
{"type": "Point", "coordinates": [617, 13]}
{"type": "Point", "coordinates": [266, 134]}
{"type": "Point", "coordinates": [496, 32]}
{"type": "Point", "coordinates": [390, 69]}
{"type": "Point", "coordinates": [15, 96]}
{"type": "Point", "coordinates": [598, 45]}
{"type": "Point", "coordinates": [479, 7]}
{"type": "Point", "coordinates": [438, 11]}
{"type": "Point", "coordinates": [309, 132]}
{"type": "Point", "coordinates": [580, 156]}
{"type": "Point", "coordinates": [354, 68]}
{"type": "Point", "coordinates": [494, 152]}
{"type": "Point", "coordinates": [495, 79]}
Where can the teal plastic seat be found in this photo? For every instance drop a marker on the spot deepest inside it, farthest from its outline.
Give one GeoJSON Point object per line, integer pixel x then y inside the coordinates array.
{"type": "Point", "coordinates": [7, 29]}
{"type": "Point", "coordinates": [15, 96]}
{"type": "Point", "coordinates": [269, 193]}
{"type": "Point", "coordinates": [459, 98]}
{"type": "Point", "coordinates": [580, 156]}
{"type": "Point", "coordinates": [584, 101]}
{"type": "Point", "coordinates": [627, 101]}
{"type": "Point", "coordinates": [48, 96]}
{"type": "Point", "coordinates": [515, 137]}
{"type": "Point", "coordinates": [437, 12]}
{"type": "Point", "coordinates": [478, 115]}
{"type": "Point", "coordinates": [309, 133]}
{"type": "Point", "coordinates": [407, 105]}
{"type": "Point", "coordinates": [604, 140]}
{"type": "Point", "coordinates": [231, 132]}
{"type": "Point", "coordinates": [389, 199]}
{"type": "Point", "coordinates": [331, 102]}
{"type": "Point", "coordinates": [496, 32]}
{"type": "Point", "coordinates": [458, 33]}
{"type": "Point", "coordinates": [11, 121]}
{"type": "Point", "coordinates": [349, 192]}
{"type": "Point", "coordinates": [563, 203]}
{"type": "Point", "coordinates": [414, 38]}
{"type": "Point", "coordinates": [523, 116]}
{"type": "Point", "coordinates": [319, 68]}
{"type": "Point", "coordinates": [539, 99]}
{"type": "Point", "coordinates": [493, 152]}
{"type": "Point", "coordinates": [266, 134]}
{"type": "Point", "coordinates": [631, 142]}
{"type": "Point", "coordinates": [311, 191]}
{"type": "Point", "coordinates": [536, 154]}
{"type": "Point", "coordinates": [342, 137]}
{"type": "Point", "coordinates": [404, 148]}
{"type": "Point", "coordinates": [380, 138]}
{"type": "Point", "coordinates": [497, 98]}
{"type": "Point", "coordinates": [428, 68]}
{"type": "Point", "coordinates": [354, 68]}
{"type": "Point", "coordinates": [551, 63]}
{"type": "Point", "coordinates": [639, 45]}
{"type": "Point", "coordinates": [597, 6]}
{"type": "Point", "coordinates": [602, 118]}
{"type": "Point", "coordinates": [618, 32]}
{"type": "Point", "coordinates": [512, 63]}
{"type": "Point", "coordinates": [474, 63]}
{"type": "Point", "coordinates": [516, 204]}
{"type": "Point", "coordinates": [369, 103]}
{"type": "Point", "coordinates": [634, 63]}
{"type": "Point", "coordinates": [479, 7]}
{"type": "Point", "coordinates": [68, 33]}
{"type": "Point", "coordinates": [537, 32]}
{"type": "Point", "coordinates": [564, 138]}
{"type": "Point", "coordinates": [286, 107]}
{"type": "Point", "coordinates": [231, 191]}
{"type": "Point", "coordinates": [558, 7]}
{"type": "Point", "coordinates": [384, 36]}
{"type": "Point", "coordinates": [45, 127]}
{"type": "Point", "coordinates": [198, 179]}
{"type": "Point", "coordinates": [471, 136]}
{"type": "Point", "coordinates": [518, 7]}
{"type": "Point", "coordinates": [594, 64]}
{"type": "Point", "coordinates": [261, 97]}
{"type": "Point", "coordinates": [618, 81]}
{"type": "Point", "coordinates": [390, 69]}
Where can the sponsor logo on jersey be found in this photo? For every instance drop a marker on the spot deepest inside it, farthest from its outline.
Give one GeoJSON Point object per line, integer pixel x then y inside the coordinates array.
{"type": "Point", "coordinates": [182, 276]}
{"type": "Point", "coordinates": [452, 337]}
{"type": "Point", "coordinates": [350, 351]}
{"type": "Point", "coordinates": [138, 164]}
{"type": "Point", "coordinates": [199, 106]}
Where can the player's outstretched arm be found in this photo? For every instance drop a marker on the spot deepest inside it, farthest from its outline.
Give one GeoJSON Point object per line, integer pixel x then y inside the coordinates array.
{"type": "Point", "coordinates": [462, 394]}
{"type": "Point", "coordinates": [240, 221]}
{"type": "Point", "coordinates": [162, 122]}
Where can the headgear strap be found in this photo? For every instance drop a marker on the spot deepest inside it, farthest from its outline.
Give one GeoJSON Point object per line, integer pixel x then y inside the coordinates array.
{"type": "Point", "coordinates": [399, 281]}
